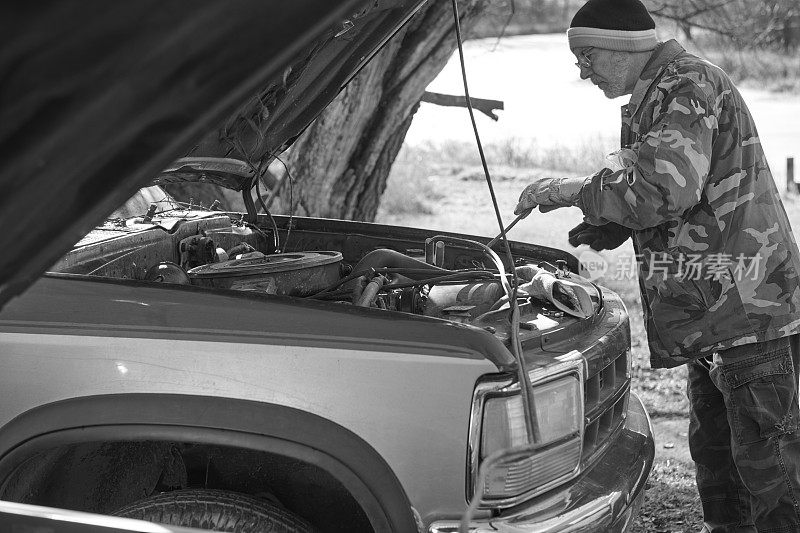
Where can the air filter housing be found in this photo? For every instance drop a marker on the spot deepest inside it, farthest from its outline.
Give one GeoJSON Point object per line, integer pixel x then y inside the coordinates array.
{"type": "Point", "coordinates": [292, 274]}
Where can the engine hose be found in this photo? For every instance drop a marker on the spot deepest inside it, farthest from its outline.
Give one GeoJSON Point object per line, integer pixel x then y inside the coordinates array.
{"type": "Point", "coordinates": [358, 287]}
{"type": "Point", "coordinates": [408, 272]}
{"type": "Point", "coordinates": [458, 276]}
{"type": "Point", "coordinates": [370, 292]}
{"type": "Point", "coordinates": [385, 258]}
{"type": "Point", "coordinates": [507, 287]}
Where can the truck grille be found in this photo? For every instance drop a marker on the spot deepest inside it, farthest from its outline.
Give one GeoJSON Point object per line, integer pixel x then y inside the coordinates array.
{"type": "Point", "coordinates": [605, 404]}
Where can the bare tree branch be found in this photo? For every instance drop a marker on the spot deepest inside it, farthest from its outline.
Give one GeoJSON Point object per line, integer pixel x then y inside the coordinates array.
{"type": "Point", "coordinates": [483, 105]}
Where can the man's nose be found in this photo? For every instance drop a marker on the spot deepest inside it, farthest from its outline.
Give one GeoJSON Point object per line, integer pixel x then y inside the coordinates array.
{"type": "Point", "coordinates": [586, 73]}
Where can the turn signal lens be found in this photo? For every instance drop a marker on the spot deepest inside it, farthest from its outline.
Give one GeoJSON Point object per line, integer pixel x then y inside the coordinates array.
{"type": "Point", "coordinates": [554, 455]}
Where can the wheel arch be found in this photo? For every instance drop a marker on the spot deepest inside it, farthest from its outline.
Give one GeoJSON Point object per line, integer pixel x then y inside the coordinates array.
{"type": "Point", "coordinates": [224, 422]}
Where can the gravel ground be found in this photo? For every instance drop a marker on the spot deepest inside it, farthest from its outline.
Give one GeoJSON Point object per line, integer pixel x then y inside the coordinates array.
{"type": "Point", "coordinates": [671, 503]}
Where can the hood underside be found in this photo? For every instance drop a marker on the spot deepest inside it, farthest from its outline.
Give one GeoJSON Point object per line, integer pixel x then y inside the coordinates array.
{"type": "Point", "coordinates": [98, 97]}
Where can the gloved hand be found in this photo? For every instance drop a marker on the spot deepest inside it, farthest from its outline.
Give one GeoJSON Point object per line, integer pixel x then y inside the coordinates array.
{"type": "Point", "coordinates": [550, 193]}
{"type": "Point", "coordinates": [605, 237]}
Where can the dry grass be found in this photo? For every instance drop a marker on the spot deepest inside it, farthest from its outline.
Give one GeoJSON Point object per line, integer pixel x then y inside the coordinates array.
{"type": "Point", "coordinates": [418, 196]}
{"type": "Point", "coordinates": [580, 157]}
{"type": "Point", "coordinates": [417, 183]}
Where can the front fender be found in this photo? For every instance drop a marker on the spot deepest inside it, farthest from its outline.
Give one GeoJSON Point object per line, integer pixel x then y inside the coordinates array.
{"type": "Point", "coordinates": [217, 421]}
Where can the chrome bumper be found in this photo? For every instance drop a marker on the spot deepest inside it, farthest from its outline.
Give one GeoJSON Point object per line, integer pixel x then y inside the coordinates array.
{"type": "Point", "coordinates": [604, 499]}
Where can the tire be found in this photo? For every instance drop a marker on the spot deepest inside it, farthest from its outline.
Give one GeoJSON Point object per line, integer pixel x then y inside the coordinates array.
{"type": "Point", "coordinates": [218, 510]}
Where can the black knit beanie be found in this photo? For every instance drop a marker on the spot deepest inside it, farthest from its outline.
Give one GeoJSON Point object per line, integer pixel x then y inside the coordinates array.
{"type": "Point", "coordinates": [623, 25]}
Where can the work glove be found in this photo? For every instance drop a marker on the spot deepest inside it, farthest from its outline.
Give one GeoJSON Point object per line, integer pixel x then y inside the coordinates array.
{"type": "Point", "coordinates": [550, 194]}
{"type": "Point", "coordinates": [605, 237]}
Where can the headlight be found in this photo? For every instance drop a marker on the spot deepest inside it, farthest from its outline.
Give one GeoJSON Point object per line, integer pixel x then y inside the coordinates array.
{"type": "Point", "coordinates": [558, 408]}
{"type": "Point", "coordinates": [552, 456]}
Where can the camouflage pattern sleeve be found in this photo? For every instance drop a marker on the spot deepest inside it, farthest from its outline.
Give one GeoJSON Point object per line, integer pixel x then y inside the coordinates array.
{"type": "Point", "coordinates": [667, 166]}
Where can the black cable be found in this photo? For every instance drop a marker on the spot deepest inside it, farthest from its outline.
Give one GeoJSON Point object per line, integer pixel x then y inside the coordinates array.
{"type": "Point", "coordinates": [291, 200]}
{"type": "Point", "coordinates": [259, 230]}
{"type": "Point", "coordinates": [516, 345]}
{"type": "Point", "coordinates": [276, 241]}
{"type": "Point", "coordinates": [478, 137]}
{"type": "Point", "coordinates": [235, 144]}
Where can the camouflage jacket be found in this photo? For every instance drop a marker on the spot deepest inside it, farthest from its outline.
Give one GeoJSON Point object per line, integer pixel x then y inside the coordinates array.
{"type": "Point", "coordinates": [717, 260]}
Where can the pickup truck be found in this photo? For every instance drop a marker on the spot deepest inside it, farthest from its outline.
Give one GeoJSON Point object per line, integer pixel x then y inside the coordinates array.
{"type": "Point", "coordinates": [241, 372]}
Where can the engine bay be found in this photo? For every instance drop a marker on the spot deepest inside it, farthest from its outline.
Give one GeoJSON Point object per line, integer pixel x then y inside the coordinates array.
{"type": "Point", "coordinates": [389, 268]}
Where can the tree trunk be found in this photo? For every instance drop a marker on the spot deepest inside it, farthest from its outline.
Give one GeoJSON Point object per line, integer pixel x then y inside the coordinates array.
{"type": "Point", "coordinates": [341, 162]}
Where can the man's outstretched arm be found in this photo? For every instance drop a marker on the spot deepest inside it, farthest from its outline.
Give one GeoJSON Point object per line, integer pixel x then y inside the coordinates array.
{"type": "Point", "coordinates": [666, 171]}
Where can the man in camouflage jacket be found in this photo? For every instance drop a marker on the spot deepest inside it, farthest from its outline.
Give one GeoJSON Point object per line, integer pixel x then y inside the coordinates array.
{"type": "Point", "coordinates": [718, 263]}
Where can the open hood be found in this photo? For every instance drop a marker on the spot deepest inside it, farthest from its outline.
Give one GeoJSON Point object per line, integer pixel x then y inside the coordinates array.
{"type": "Point", "coordinates": [98, 97]}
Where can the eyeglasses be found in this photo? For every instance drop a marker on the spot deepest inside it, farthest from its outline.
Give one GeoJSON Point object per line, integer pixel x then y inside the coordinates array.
{"type": "Point", "coordinates": [584, 61]}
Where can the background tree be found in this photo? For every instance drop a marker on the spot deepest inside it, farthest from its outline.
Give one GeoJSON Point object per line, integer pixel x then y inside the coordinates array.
{"type": "Point", "coordinates": [746, 23]}
{"type": "Point", "coordinates": [340, 164]}
{"type": "Point", "coordinates": [525, 17]}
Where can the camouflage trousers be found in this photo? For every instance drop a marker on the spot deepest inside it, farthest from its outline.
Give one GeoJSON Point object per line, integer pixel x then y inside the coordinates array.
{"type": "Point", "coordinates": [744, 437]}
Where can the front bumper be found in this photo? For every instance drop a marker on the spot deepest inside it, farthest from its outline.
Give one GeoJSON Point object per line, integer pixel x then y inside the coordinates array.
{"type": "Point", "coordinates": [604, 499]}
